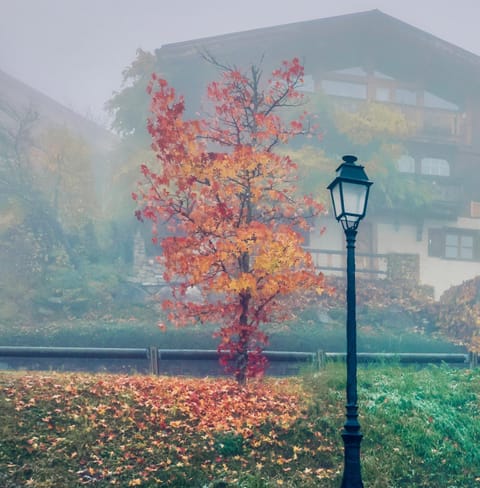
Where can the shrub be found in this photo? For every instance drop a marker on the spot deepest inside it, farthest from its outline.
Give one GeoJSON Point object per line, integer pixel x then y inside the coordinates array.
{"type": "Point", "coordinates": [459, 314]}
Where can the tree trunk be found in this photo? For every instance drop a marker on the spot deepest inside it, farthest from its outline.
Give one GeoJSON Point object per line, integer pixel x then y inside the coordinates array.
{"type": "Point", "coordinates": [243, 341]}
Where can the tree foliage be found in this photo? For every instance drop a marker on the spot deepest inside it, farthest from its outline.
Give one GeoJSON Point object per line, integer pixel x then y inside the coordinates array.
{"type": "Point", "coordinates": [46, 176]}
{"type": "Point", "coordinates": [230, 201]}
{"type": "Point", "coordinates": [29, 218]}
{"type": "Point", "coordinates": [129, 109]}
{"type": "Point", "coordinates": [373, 121]}
{"type": "Point", "coordinates": [67, 178]}
{"type": "Point", "coordinates": [374, 132]}
{"type": "Point", "coordinates": [47, 204]}
{"type": "Point", "coordinates": [129, 106]}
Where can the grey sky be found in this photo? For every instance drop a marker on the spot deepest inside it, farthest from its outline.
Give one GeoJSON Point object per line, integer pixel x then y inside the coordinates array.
{"type": "Point", "coordinates": [75, 50]}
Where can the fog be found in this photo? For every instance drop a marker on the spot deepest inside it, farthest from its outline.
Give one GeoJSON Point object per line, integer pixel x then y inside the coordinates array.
{"type": "Point", "coordinates": [209, 247]}
{"type": "Point", "coordinates": [74, 51]}
{"type": "Point", "coordinates": [77, 268]}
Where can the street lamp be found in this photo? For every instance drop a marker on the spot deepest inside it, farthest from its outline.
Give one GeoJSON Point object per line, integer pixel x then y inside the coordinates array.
{"type": "Point", "coordinates": [349, 191]}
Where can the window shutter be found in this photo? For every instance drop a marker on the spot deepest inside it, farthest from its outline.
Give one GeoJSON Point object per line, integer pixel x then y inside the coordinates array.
{"type": "Point", "coordinates": [436, 243]}
{"type": "Point", "coordinates": [475, 209]}
{"type": "Point", "coordinates": [476, 247]}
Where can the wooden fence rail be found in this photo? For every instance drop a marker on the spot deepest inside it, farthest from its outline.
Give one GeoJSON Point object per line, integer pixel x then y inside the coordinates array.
{"type": "Point", "coordinates": [154, 356]}
{"type": "Point", "coordinates": [74, 352]}
{"type": "Point", "coordinates": [330, 260]}
{"type": "Point", "coordinates": [405, 358]}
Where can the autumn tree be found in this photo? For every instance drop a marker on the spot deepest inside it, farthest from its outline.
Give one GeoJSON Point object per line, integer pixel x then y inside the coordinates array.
{"type": "Point", "coordinates": [46, 178]}
{"type": "Point", "coordinates": [376, 132]}
{"type": "Point", "coordinates": [47, 208]}
{"type": "Point", "coordinates": [67, 177]}
{"type": "Point", "coordinates": [230, 202]}
{"type": "Point", "coordinates": [379, 131]}
{"type": "Point", "coordinates": [21, 194]}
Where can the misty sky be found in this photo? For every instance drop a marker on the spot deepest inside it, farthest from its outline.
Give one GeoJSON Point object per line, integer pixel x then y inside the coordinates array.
{"type": "Point", "coordinates": [75, 50]}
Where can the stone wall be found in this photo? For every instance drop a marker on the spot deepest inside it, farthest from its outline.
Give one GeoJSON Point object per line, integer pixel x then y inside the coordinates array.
{"type": "Point", "coordinates": [404, 267]}
{"type": "Point", "coordinates": [146, 270]}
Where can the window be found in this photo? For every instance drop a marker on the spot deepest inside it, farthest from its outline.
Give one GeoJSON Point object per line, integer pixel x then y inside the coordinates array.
{"type": "Point", "coordinates": [432, 101]}
{"type": "Point", "coordinates": [406, 164]}
{"type": "Point", "coordinates": [461, 244]}
{"type": "Point", "coordinates": [458, 246]}
{"type": "Point", "coordinates": [434, 167]}
{"type": "Point", "coordinates": [405, 97]}
{"type": "Point", "coordinates": [428, 166]}
{"type": "Point", "coordinates": [345, 89]}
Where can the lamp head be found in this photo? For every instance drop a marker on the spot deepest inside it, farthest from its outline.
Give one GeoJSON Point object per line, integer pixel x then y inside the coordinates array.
{"type": "Point", "coordinates": [349, 191]}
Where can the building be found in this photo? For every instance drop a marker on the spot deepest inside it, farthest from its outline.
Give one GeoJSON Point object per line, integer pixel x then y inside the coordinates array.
{"type": "Point", "coordinates": [372, 57]}
{"type": "Point", "coordinates": [21, 97]}
{"type": "Point", "coordinates": [19, 101]}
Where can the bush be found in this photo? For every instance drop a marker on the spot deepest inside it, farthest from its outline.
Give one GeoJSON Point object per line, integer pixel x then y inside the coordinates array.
{"type": "Point", "coordinates": [129, 331]}
{"type": "Point", "coordinates": [69, 291]}
{"type": "Point", "coordinates": [459, 314]}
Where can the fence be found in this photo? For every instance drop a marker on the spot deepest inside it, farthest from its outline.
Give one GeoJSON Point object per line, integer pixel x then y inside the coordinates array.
{"type": "Point", "coordinates": [370, 264]}
{"type": "Point", "coordinates": [187, 361]}
{"type": "Point", "coordinates": [469, 359]}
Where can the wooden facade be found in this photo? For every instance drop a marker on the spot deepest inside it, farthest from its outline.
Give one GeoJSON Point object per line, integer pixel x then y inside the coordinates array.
{"type": "Point", "coordinates": [372, 57]}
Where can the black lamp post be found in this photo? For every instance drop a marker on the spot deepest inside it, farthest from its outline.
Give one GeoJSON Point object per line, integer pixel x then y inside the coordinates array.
{"type": "Point", "coordinates": [349, 191]}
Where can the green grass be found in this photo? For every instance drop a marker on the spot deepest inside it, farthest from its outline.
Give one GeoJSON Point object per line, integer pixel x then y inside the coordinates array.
{"type": "Point", "coordinates": [420, 430]}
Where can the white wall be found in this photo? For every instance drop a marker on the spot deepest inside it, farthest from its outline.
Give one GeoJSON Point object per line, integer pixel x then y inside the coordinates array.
{"type": "Point", "coordinates": [437, 272]}
{"type": "Point", "coordinates": [404, 238]}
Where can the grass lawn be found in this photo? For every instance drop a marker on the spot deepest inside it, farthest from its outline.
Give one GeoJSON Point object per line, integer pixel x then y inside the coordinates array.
{"type": "Point", "coordinates": [66, 430]}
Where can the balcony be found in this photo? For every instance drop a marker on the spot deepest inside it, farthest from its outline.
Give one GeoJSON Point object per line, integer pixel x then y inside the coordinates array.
{"type": "Point", "coordinates": [436, 125]}
{"type": "Point", "coordinates": [333, 262]}
{"type": "Point", "coordinates": [447, 197]}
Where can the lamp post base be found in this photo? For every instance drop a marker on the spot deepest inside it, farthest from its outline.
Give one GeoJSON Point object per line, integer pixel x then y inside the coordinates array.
{"type": "Point", "coordinates": [352, 475]}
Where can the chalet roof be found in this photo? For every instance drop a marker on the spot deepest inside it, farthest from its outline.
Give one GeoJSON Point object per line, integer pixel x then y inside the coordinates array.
{"type": "Point", "coordinates": [336, 42]}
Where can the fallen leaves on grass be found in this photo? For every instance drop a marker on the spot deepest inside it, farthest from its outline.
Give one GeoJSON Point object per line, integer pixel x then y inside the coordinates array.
{"type": "Point", "coordinates": [135, 430]}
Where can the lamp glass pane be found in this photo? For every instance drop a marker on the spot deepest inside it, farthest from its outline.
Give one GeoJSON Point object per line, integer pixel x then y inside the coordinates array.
{"type": "Point", "coordinates": [354, 198]}
{"type": "Point", "coordinates": [337, 200]}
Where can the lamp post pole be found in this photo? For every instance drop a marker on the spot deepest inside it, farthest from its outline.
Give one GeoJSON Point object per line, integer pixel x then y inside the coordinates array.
{"type": "Point", "coordinates": [352, 437]}
{"type": "Point", "coordinates": [349, 191]}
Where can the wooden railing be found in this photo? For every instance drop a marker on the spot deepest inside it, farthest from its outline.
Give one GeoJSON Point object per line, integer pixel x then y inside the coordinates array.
{"type": "Point", "coordinates": [438, 124]}
{"type": "Point", "coordinates": [470, 359]}
{"type": "Point", "coordinates": [432, 124]}
{"type": "Point", "coordinates": [157, 360]}
{"type": "Point", "coordinates": [330, 260]}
